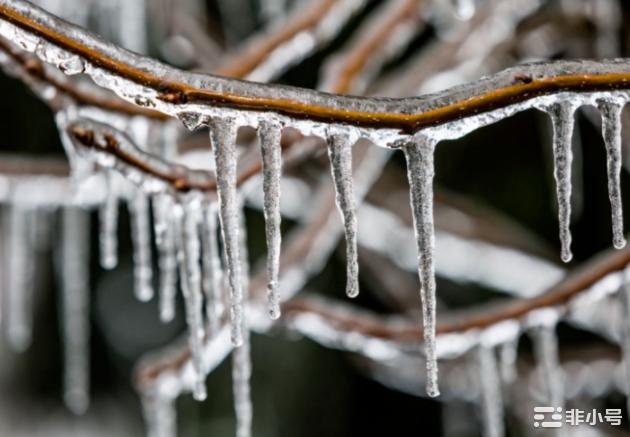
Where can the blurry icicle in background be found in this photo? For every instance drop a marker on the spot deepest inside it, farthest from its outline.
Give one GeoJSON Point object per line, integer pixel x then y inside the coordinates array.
{"type": "Point", "coordinates": [19, 276]}
{"type": "Point", "coordinates": [74, 268]}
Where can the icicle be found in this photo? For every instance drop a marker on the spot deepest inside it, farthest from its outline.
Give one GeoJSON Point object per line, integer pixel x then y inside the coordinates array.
{"type": "Point", "coordinates": [272, 168]}
{"type": "Point", "coordinates": [190, 278]}
{"type": "Point", "coordinates": [546, 352]}
{"type": "Point", "coordinates": [492, 402]}
{"type": "Point", "coordinates": [562, 120]}
{"type": "Point", "coordinates": [241, 358]}
{"type": "Point", "coordinates": [212, 273]}
{"type": "Point", "coordinates": [165, 241]}
{"type": "Point", "coordinates": [223, 138]}
{"type": "Point", "coordinates": [160, 416]}
{"type": "Point", "coordinates": [340, 154]}
{"type": "Point", "coordinates": [625, 335]}
{"type": "Point", "coordinates": [419, 156]}
{"type": "Point", "coordinates": [20, 269]}
{"type": "Point", "coordinates": [75, 265]}
{"type": "Point", "coordinates": [611, 131]}
{"type": "Point", "coordinates": [108, 218]}
{"type": "Point", "coordinates": [141, 237]}
{"type": "Point", "coordinates": [508, 355]}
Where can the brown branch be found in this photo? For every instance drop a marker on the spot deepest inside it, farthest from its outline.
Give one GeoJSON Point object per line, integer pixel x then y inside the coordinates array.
{"type": "Point", "coordinates": [36, 69]}
{"type": "Point", "coordinates": [503, 89]}
{"type": "Point", "coordinates": [409, 331]}
{"type": "Point", "coordinates": [257, 51]}
{"type": "Point", "coordinates": [359, 55]}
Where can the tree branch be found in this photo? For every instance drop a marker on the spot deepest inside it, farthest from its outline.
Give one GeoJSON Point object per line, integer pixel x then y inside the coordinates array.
{"type": "Point", "coordinates": [406, 115]}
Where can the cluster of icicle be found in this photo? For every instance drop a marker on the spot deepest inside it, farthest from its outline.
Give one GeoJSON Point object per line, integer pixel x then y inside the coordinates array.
{"type": "Point", "coordinates": [186, 229]}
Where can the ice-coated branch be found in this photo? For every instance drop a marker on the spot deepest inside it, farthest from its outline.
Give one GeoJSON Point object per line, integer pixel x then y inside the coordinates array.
{"type": "Point", "coordinates": [559, 295]}
{"type": "Point", "coordinates": [169, 90]}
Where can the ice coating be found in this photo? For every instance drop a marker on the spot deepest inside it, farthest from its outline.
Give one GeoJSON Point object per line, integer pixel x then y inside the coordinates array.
{"type": "Point", "coordinates": [271, 151]}
{"type": "Point", "coordinates": [491, 399]}
{"type": "Point", "coordinates": [611, 131]}
{"type": "Point", "coordinates": [141, 237]}
{"type": "Point", "coordinates": [164, 226]}
{"type": "Point", "coordinates": [75, 328]}
{"type": "Point", "coordinates": [212, 271]}
{"type": "Point", "coordinates": [19, 297]}
{"type": "Point", "coordinates": [188, 252]}
{"type": "Point", "coordinates": [223, 139]}
{"type": "Point", "coordinates": [562, 120]}
{"type": "Point", "coordinates": [108, 219]}
{"type": "Point", "coordinates": [340, 155]}
{"type": "Point", "coordinates": [420, 171]}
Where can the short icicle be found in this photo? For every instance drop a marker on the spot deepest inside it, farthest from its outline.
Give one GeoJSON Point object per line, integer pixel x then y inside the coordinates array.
{"type": "Point", "coordinates": [562, 119]}
{"type": "Point", "coordinates": [223, 138]}
{"type": "Point", "coordinates": [141, 237]}
{"type": "Point", "coordinates": [108, 220]}
{"type": "Point", "coordinates": [492, 401]}
{"type": "Point", "coordinates": [508, 354]}
{"type": "Point", "coordinates": [190, 278]}
{"type": "Point", "coordinates": [74, 307]}
{"type": "Point", "coordinates": [546, 353]}
{"type": "Point", "coordinates": [212, 271]}
{"type": "Point", "coordinates": [611, 131]}
{"type": "Point", "coordinates": [420, 171]}
{"type": "Point", "coordinates": [340, 155]}
{"type": "Point", "coordinates": [270, 134]}
{"type": "Point", "coordinates": [19, 271]}
{"type": "Point", "coordinates": [167, 255]}
{"type": "Point", "coordinates": [241, 356]}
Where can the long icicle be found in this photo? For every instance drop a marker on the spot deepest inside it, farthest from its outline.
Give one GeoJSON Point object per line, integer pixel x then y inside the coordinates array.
{"type": "Point", "coordinates": [611, 131]}
{"type": "Point", "coordinates": [190, 277]}
{"type": "Point", "coordinates": [562, 120]}
{"type": "Point", "coordinates": [223, 138]}
{"type": "Point", "coordinates": [270, 134]}
{"type": "Point", "coordinates": [340, 155]}
{"type": "Point", "coordinates": [212, 272]}
{"type": "Point", "coordinates": [420, 171]}
{"type": "Point", "coordinates": [167, 255]}
{"type": "Point", "coordinates": [19, 256]}
{"type": "Point", "coordinates": [492, 401]}
{"type": "Point", "coordinates": [241, 356]}
{"type": "Point", "coordinates": [141, 236]}
{"type": "Point", "coordinates": [75, 265]}
{"type": "Point", "coordinates": [108, 219]}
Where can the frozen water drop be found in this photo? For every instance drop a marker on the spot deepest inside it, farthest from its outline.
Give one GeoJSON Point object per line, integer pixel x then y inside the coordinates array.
{"type": "Point", "coordinates": [340, 154]}
{"type": "Point", "coordinates": [611, 131]}
{"type": "Point", "coordinates": [420, 171]}
{"type": "Point", "coordinates": [272, 169]}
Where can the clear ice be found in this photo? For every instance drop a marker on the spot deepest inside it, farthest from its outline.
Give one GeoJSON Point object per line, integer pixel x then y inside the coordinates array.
{"type": "Point", "coordinates": [271, 151]}
{"type": "Point", "coordinates": [420, 171]}
{"type": "Point", "coordinates": [340, 154]}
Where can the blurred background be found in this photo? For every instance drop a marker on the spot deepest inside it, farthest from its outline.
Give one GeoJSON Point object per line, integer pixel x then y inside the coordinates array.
{"type": "Point", "coordinates": [495, 215]}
